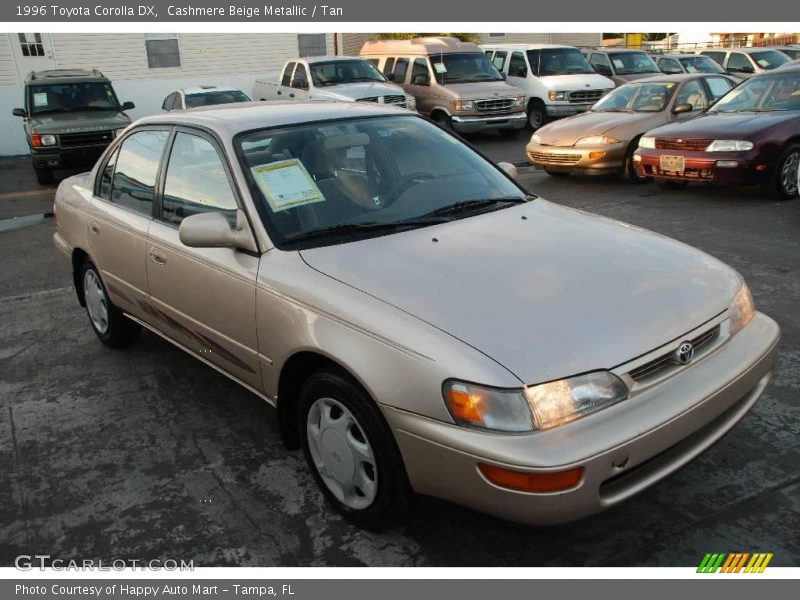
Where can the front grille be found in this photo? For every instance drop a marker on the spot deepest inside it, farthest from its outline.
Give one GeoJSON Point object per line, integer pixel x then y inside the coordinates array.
{"type": "Point", "coordinates": [657, 365]}
{"type": "Point", "coordinates": [368, 99]}
{"type": "Point", "coordinates": [494, 105]}
{"type": "Point", "coordinates": [391, 99]}
{"type": "Point", "coordinates": [555, 158]}
{"type": "Point", "coordinates": [89, 138]}
{"type": "Point", "coordinates": [586, 96]}
{"type": "Point", "coordinates": [680, 144]}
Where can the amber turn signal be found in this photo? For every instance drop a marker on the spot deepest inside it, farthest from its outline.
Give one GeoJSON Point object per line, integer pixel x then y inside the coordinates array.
{"type": "Point", "coordinates": [540, 483]}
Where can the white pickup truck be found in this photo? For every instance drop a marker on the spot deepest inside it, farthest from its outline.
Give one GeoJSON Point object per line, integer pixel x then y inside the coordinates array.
{"type": "Point", "coordinates": [333, 78]}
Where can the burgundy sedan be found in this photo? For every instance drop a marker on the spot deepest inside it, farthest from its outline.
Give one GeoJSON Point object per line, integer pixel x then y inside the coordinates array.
{"type": "Point", "coordinates": [750, 136]}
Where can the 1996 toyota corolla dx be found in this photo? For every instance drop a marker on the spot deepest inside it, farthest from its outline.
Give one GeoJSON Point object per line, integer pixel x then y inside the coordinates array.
{"type": "Point", "coordinates": [418, 319]}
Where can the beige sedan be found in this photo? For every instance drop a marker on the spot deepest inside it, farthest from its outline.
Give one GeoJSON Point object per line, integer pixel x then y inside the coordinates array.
{"type": "Point", "coordinates": [419, 321]}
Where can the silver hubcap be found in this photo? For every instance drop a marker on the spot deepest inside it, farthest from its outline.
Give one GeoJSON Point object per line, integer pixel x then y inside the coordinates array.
{"type": "Point", "coordinates": [96, 302]}
{"type": "Point", "coordinates": [789, 173]}
{"type": "Point", "coordinates": [536, 118]}
{"type": "Point", "coordinates": [341, 453]}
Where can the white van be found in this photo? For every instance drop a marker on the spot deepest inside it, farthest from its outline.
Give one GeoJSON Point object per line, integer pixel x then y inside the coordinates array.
{"type": "Point", "coordinates": [557, 80]}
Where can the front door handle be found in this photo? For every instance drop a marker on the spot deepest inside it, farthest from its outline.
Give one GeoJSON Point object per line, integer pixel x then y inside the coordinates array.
{"type": "Point", "coordinates": [157, 256]}
{"type": "Point", "coordinates": [94, 227]}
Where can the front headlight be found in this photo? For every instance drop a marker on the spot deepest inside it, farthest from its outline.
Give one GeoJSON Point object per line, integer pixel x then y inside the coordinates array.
{"type": "Point", "coordinates": [519, 101]}
{"type": "Point", "coordinates": [411, 103]}
{"type": "Point", "coordinates": [463, 105]}
{"type": "Point", "coordinates": [729, 146]}
{"type": "Point", "coordinates": [741, 309]}
{"type": "Point", "coordinates": [647, 142]}
{"type": "Point", "coordinates": [536, 138]}
{"type": "Point", "coordinates": [595, 140]}
{"type": "Point", "coordinates": [49, 140]}
{"type": "Point", "coordinates": [538, 407]}
{"type": "Point", "coordinates": [554, 95]}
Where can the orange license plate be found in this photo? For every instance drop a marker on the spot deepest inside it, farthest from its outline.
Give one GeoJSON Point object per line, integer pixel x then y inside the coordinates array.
{"type": "Point", "coordinates": [673, 164]}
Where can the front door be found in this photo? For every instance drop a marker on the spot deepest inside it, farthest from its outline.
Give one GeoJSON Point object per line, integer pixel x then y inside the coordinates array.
{"type": "Point", "coordinates": [204, 298]}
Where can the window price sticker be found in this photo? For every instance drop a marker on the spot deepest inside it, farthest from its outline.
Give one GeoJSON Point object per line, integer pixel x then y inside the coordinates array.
{"type": "Point", "coordinates": [286, 184]}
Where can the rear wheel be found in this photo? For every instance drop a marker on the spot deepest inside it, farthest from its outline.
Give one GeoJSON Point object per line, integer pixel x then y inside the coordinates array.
{"type": "Point", "coordinates": [44, 176]}
{"type": "Point", "coordinates": [537, 114]}
{"type": "Point", "coordinates": [109, 324]}
{"type": "Point", "coordinates": [783, 183]}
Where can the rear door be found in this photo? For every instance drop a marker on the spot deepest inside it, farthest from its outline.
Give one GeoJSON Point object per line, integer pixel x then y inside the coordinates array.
{"type": "Point", "coordinates": [203, 298]}
{"type": "Point", "coordinates": [122, 212]}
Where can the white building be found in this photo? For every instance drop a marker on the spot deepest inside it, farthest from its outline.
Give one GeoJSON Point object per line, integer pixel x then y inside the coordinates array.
{"type": "Point", "coordinates": [145, 68]}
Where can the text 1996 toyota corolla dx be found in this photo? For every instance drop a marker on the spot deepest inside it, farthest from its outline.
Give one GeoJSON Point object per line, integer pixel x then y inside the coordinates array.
{"type": "Point", "coordinates": [418, 319]}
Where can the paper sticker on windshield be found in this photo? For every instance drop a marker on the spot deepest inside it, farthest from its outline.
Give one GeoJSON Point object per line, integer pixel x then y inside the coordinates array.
{"type": "Point", "coordinates": [618, 63]}
{"type": "Point", "coordinates": [763, 63]}
{"type": "Point", "coordinates": [286, 184]}
{"type": "Point", "coordinates": [40, 99]}
{"type": "Point", "coordinates": [440, 68]}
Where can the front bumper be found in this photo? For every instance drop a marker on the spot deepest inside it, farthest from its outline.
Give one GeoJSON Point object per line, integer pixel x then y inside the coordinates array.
{"type": "Point", "coordinates": [567, 110]}
{"type": "Point", "coordinates": [750, 167]}
{"type": "Point", "coordinates": [472, 124]}
{"type": "Point", "coordinates": [623, 449]}
{"type": "Point", "coordinates": [599, 159]}
{"type": "Point", "coordinates": [66, 158]}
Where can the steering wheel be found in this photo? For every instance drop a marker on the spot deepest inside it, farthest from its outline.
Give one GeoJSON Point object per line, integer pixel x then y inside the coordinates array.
{"type": "Point", "coordinates": [405, 184]}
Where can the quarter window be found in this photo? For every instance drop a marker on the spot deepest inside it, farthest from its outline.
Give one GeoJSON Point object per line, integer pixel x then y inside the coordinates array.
{"type": "Point", "coordinates": [196, 181]}
{"type": "Point", "coordinates": [107, 176]}
{"type": "Point", "coordinates": [136, 170]}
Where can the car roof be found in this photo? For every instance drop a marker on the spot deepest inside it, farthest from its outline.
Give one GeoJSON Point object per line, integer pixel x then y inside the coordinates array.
{"type": "Point", "coordinates": [230, 119]}
{"type": "Point", "coordinates": [317, 59]}
{"type": "Point", "coordinates": [64, 76]}
{"type": "Point", "coordinates": [422, 46]}
{"type": "Point", "coordinates": [676, 55]}
{"type": "Point", "coordinates": [202, 89]}
{"type": "Point", "coordinates": [608, 50]}
{"type": "Point", "coordinates": [674, 77]}
{"type": "Point", "coordinates": [747, 50]}
{"type": "Point", "coordinates": [496, 46]}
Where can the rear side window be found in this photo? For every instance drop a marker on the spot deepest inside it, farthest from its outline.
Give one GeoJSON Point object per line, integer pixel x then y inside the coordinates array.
{"type": "Point", "coordinates": [196, 181]}
{"type": "Point", "coordinates": [134, 180]}
{"type": "Point", "coordinates": [287, 74]}
{"type": "Point", "coordinates": [400, 68]}
{"type": "Point", "coordinates": [300, 78]}
{"type": "Point", "coordinates": [107, 175]}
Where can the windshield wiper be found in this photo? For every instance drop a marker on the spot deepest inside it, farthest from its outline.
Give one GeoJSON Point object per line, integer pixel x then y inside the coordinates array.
{"type": "Point", "coordinates": [473, 205]}
{"type": "Point", "coordinates": [349, 229]}
{"type": "Point", "coordinates": [622, 110]}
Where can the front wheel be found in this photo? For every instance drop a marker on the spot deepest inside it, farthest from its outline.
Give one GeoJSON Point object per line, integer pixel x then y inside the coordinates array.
{"type": "Point", "coordinates": [351, 451]}
{"type": "Point", "coordinates": [629, 167]}
{"type": "Point", "coordinates": [783, 184]}
{"type": "Point", "coordinates": [537, 115]}
{"type": "Point", "coordinates": [109, 324]}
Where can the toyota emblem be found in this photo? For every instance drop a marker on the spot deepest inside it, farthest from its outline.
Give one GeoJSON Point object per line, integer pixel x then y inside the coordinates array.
{"type": "Point", "coordinates": [685, 353]}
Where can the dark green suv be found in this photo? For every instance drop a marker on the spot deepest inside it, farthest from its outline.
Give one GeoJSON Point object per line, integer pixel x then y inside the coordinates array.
{"type": "Point", "coordinates": [71, 115]}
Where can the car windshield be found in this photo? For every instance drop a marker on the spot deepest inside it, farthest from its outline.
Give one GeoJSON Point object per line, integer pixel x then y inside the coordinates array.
{"type": "Point", "coordinates": [215, 97]}
{"type": "Point", "coordinates": [769, 59]}
{"type": "Point", "coordinates": [792, 53]}
{"type": "Point", "coordinates": [763, 94]}
{"type": "Point", "coordinates": [632, 63]}
{"type": "Point", "coordinates": [559, 61]}
{"type": "Point", "coordinates": [464, 68]}
{"type": "Point", "coordinates": [344, 71]}
{"type": "Point", "coordinates": [69, 97]}
{"type": "Point", "coordinates": [321, 184]}
{"type": "Point", "coordinates": [637, 97]}
{"type": "Point", "coordinates": [700, 64]}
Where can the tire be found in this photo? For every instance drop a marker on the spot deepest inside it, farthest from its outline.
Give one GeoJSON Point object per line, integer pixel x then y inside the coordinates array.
{"type": "Point", "coordinates": [351, 451]}
{"type": "Point", "coordinates": [537, 115]}
{"type": "Point", "coordinates": [782, 183]}
{"type": "Point", "coordinates": [628, 171]}
{"type": "Point", "coordinates": [109, 324]}
{"type": "Point", "coordinates": [44, 176]}
{"type": "Point", "coordinates": [553, 173]}
{"type": "Point", "coordinates": [442, 120]}
{"type": "Point", "coordinates": [671, 184]}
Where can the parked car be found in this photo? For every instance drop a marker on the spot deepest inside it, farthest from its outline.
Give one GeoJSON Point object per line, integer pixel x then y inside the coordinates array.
{"type": "Point", "coordinates": [204, 95]}
{"type": "Point", "coordinates": [454, 83]}
{"type": "Point", "coordinates": [418, 319]}
{"type": "Point", "coordinates": [687, 63]}
{"type": "Point", "coordinates": [789, 65]}
{"type": "Point", "coordinates": [604, 139]}
{"type": "Point", "coordinates": [793, 52]}
{"type": "Point", "coordinates": [70, 117]}
{"type": "Point", "coordinates": [337, 78]}
{"type": "Point", "coordinates": [557, 80]}
{"type": "Point", "coordinates": [622, 66]}
{"type": "Point", "coordinates": [746, 62]}
{"type": "Point", "coordinates": [750, 136]}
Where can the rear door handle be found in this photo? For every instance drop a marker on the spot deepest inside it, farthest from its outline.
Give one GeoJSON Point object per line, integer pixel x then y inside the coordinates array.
{"type": "Point", "coordinates": [157, 256]}
{"type": "Point", "coordinates": [94, 227]}
{"type": "Point", "coordinates": [291, 95]}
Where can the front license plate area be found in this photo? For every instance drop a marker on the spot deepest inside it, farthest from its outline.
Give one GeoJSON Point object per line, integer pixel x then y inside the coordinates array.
{"type": "Point", "coordinates": [673, 164]}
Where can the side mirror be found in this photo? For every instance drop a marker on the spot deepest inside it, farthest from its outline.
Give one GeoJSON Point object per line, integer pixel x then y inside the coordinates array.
{"type": "Point", "coordinates": [682, 108]}
{"type": "Point", "coordinates": [213, 230]}
{"type": "Point", "coordinates": [420, 80]}
{"type": "Point", "coordinates": [128, 105]}
{"type": "Point", "coordinates": [19, 112]}
{"type": "Point", "coordinates": [510, 170]}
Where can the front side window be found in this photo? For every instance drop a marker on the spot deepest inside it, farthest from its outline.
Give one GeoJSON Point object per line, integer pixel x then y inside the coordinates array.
{"type": "Point", "coordinates": [763, 94]}
{"type": "Point", "coordinates": [739, 63]}
{"type": "Point", "coordinates": [632, 63]}
{"type": "Point", "coordinates": [600, 64]}
{"type": "Point", "coordinates": [419, 72]}
{"type": "Point", "coordinates": [563, 61]}
{"type": "Point", "coordinates": [300, 77]}
{"type": "Point", "coordinates": [669, 65]}
{"type": "Point", "coordinates": [400, 70]}
{"type": "Point", "coordinates": [692, 93]}
{"type": "Point", "coordinates": [517, 67]}
{"type": "Point", "coordinates": [72, 97]}
{"type": "Point", "coordinates": [196, 181]}
{"type": "Point", "coordinates": [286, 80]}
{"type": "Point", "coordinates": [464, 68]}
{"type": "Point", "coordinates": [134, 180]}
{"type": "Point", "coordinates": [637, 97]}
{"type": "Point", "coordinates": [344, 71]}
{"type": "Point", "coordinates": [217, 97]}
{"type": "Point", "coordinates": [332, 182]}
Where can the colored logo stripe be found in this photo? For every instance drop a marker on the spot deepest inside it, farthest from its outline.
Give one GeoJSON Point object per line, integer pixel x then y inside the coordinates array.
{"type": "Point", "coordinates": [734, 562]}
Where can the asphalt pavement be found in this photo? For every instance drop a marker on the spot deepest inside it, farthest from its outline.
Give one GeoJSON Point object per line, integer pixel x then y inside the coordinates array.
{"type": "Point", "coordinates": [147, 453]}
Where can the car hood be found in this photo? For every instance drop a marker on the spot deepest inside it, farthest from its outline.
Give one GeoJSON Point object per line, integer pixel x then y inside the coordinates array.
{"type": "Point", "coordinates": [624, 125]}
{"type": "Point", "coordinates": [577, 81]}
{"type": "Point", "coordinates": [79, 121]}
{"type": "Point", "coordinates": [620, 79]}
{"type": "Point", "coordinates": [482, 89]}
{"type": "Point", "coordinates": [728, 126]}
{"type": "Point", "coordinates": [362, 89]}
{"type": "Point", "coordinates": [557, 293]}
